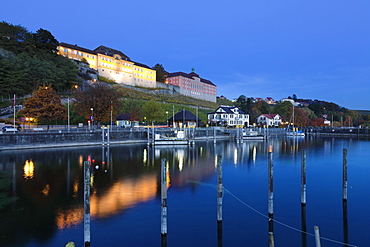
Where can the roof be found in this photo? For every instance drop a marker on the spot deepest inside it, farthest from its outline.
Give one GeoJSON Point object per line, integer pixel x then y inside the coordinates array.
{"type": "Point", "coordinates": [184, 116]}
{"type": "Point", "coordinates": [229, 110]}
{"type": "Point", "coordinates": [76, 47]}
{"type": "Point", "coordinates": [111, 52]}
{"type": "Point", "coordinates": [190, 76]}
{"type": "Point", "coordinates": [271, 116]}
{"type": "Point", "coordinates": [142, 65]}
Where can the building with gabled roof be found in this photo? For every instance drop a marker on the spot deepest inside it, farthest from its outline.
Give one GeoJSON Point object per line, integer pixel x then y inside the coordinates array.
{"type": "Point", "coordinates": [229, 116]}
{"type": "Point", "coordinates": [269, 120]}
{"type": "Point", "coordinates": [193, 85]}
{"type": "Point", "coordinates": [112, 64]}
{"type": "Point", "coordinates": [184, 118]}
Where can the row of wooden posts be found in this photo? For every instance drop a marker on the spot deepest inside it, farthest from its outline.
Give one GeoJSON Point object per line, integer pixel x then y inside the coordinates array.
{"type": "Point", "coordinates": [219, 198]}
{"type": "Point", "coordinates": [270, 198]}
{"type": "Point", "coordinates": [303, 196]}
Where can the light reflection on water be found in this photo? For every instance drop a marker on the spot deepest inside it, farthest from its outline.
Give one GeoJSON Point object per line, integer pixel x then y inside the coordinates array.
{"type": "Point", "coordinates": [125, 194]}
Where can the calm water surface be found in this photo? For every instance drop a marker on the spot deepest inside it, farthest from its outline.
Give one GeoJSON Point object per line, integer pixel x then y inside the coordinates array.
{"type": "Point", "coordinates": [126, 203]}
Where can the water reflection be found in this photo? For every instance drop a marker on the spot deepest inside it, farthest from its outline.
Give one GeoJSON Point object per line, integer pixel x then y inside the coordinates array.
{"type": "Point", "coordinates": [49, 184]}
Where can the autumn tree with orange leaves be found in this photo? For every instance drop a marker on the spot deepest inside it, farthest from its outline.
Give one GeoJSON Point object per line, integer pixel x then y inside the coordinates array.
{"type": "Point", "coordinates": [44, 106]}
{"type": "Point", "coordinates": [99, 99]}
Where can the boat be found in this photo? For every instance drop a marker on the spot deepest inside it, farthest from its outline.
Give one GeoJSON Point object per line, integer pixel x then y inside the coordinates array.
{"type": "Point", "coordinates": [292, 131]}
{"type": "Point", "coordinates": [178, 139]}
{"type": "Point", "coordinates": [253, 135]}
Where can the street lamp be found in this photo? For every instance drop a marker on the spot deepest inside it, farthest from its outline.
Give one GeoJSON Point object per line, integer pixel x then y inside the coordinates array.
{"type": "Point", "coordinates": [92, 118]}
{"type": "Point", "coordinates": [167, 117]}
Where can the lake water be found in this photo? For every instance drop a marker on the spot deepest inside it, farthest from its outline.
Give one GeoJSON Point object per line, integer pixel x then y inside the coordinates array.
{"type": "Point", "coordinates": [126, 198]}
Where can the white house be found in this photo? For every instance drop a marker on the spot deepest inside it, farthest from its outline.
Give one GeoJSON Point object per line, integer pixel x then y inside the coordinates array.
{"type": "Point", "coordinates": [229, 116]}
{"type": "Point", "coordinates": [269, 119]}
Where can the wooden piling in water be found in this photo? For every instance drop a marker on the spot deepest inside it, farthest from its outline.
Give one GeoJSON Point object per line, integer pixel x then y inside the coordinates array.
{"type": "Point", "coordinates": [102, 135]}
{"type": "Point", "coordinates": [163, 197]}
{"type": "Point", "coordinates": [303, 178]}
{"type": "Point", "coordinates": [303, 225]}
{"type": "Point", "coordinates": [219, 188]}
{"type": "Point", "coordinates": [345, 222]}
{"type": "Point", "coordinates": [317, 236]}
{"type": "Point", "coordinates": [219, 234]}
{"type": "Point", "coordinates": [87, 203]}
{"type": "Point", "coordinates": [344, 174]}
{"type": "Point", "coordinates": [270, 185]}
{"type": "Point", "coordinates": [270, 199]}
{"type": "Point", "coordinates": [214, 135]}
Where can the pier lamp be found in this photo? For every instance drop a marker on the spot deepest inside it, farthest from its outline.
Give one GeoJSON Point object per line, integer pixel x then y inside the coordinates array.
{"type": "Point", "coordinates": [167, 117]}
{"type": "Point", "coordinates": [92, 117]}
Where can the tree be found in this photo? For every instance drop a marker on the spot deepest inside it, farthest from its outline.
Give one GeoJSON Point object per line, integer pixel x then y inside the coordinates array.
{"type": "Point", "coordinates": [153, 111]}
{"type": "Point", "coordinates": [44, 106]}
{"type": "Point", "coordinates": [133, 108]}
{"type": "Point", "coordinates": [160, 72]}
{"type": "Point", "coordinates": [99, 100]}
{"type": "Point", "coordinates": [45, 41]}
{"type": "Point", "coordinates": [15, 38]}
{"type": "Point", "coordinates": [284, 109]}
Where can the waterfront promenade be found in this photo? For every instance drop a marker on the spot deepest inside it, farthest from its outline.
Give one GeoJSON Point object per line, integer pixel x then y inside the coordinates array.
{"type": "Point", "coordinates": [59, 137]}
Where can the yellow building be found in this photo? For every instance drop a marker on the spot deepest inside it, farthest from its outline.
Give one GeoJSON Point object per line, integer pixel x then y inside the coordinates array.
{"type": "Point", "coordinates": [112, 64]}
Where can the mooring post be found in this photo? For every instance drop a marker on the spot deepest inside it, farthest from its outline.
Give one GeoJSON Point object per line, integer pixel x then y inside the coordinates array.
{"type": "Point", "coordinates": [214, 135]}
{"type": "Point", "coordinates": [345, 222]}
{"type": "Point", "coordinates": [148, 136]}
{"type": "Point", "coordinates": [317, 236]}
{"type": "Point", "coordinates": [344, 174]}
{"type": "Point", "coordinates": [270, 185]}
{"type": "Point", "coordinates": [303, 178]}
{"type": "Point", "coordinates": [87, 203]}
{"type": "Point", "coordinates": [102, 135]}
{"type": "Point", "coordinates": [304, 225]}
{"type": "Point", "coordinates": [219, 188]}
{"type": "Point", "coordinates": [270, 199]}
{"type": "Point", "coordinates": [164, 197]}
{"type": "Point", "coordinates": [241, 134]}
{"type": "Point", "coordinates": [108, 134]}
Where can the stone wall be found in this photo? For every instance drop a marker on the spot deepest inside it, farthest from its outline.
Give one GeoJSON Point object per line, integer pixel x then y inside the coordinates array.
{"type": "Point", "coordinates": [17, 139]}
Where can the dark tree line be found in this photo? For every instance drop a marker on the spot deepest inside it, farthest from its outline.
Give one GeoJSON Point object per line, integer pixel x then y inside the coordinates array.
{"type": "Point", "coordinates": [29, 60]}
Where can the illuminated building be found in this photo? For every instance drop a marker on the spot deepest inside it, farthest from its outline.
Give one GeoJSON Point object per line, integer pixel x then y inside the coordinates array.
{"type": "Point", "coordinates": [193, 85]}
{"type": "Point", "coordinates": [112, 64]}
{"type": "Point", "coordinates": [229, 116]}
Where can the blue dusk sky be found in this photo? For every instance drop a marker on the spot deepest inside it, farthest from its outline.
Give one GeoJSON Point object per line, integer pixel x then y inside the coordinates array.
{"type": "Point", "coordinates": [314, 49]}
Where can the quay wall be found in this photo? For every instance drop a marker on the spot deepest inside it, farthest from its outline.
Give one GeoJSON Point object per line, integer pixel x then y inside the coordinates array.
{"type": "Point", "coordinates": [21, 140]}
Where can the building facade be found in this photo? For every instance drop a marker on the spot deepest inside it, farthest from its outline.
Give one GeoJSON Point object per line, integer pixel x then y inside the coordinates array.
{"type": "Point", "coordinates": [229, 116]}
{"type": "Point", "coordinates": [193, 85]}
{"type": "Point", "coordinates": [269, 120]}
{"type": "Point", "coordinates": [112, 64]}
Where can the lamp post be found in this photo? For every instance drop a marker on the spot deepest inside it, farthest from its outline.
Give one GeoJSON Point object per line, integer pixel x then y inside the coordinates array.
{"type": "Point", "coordinates": [167, 117]}
{"type": "Point", "coordinates": [92, 118]}
{"type": "Point", "coordinates": [68, 116]}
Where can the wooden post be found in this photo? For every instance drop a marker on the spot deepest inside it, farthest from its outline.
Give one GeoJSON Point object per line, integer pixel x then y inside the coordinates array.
{"type": "Point", "coordinates": [108, 134]}
{"type": "Point", "coordinates": [164, 197]}
{"type": "Point", "coordinates": [148, 136]}
{"type": "Point", "coordinates": [317, 236]}
{"type": "Point", "coordinates": [153, 135]}
{"type": "Point", "coordinates": [270, 199]}
{"type": "Point", "coordinates": [345, 222]}
{"type": "Point", "coordinates": [304, 225]}
{"type": "Point", "coordinates": [344, 174]}
{"type": "Point", "coordinates": [214, 135]}
{"type": "Point", "coordinates": [102, 135]}
{"type": "Point", "coordinates": [219, 188]}
{"type": "Point", "coordinates": [241, 134]}
{"type": "Point", "coordinates": [303, 178]}
{"type": "Point", "coordinates": [87, 203]}
{"type": "Point", "coordinates": [219, 234]}
{"type": "Point", "coordinates": [270, 185]}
